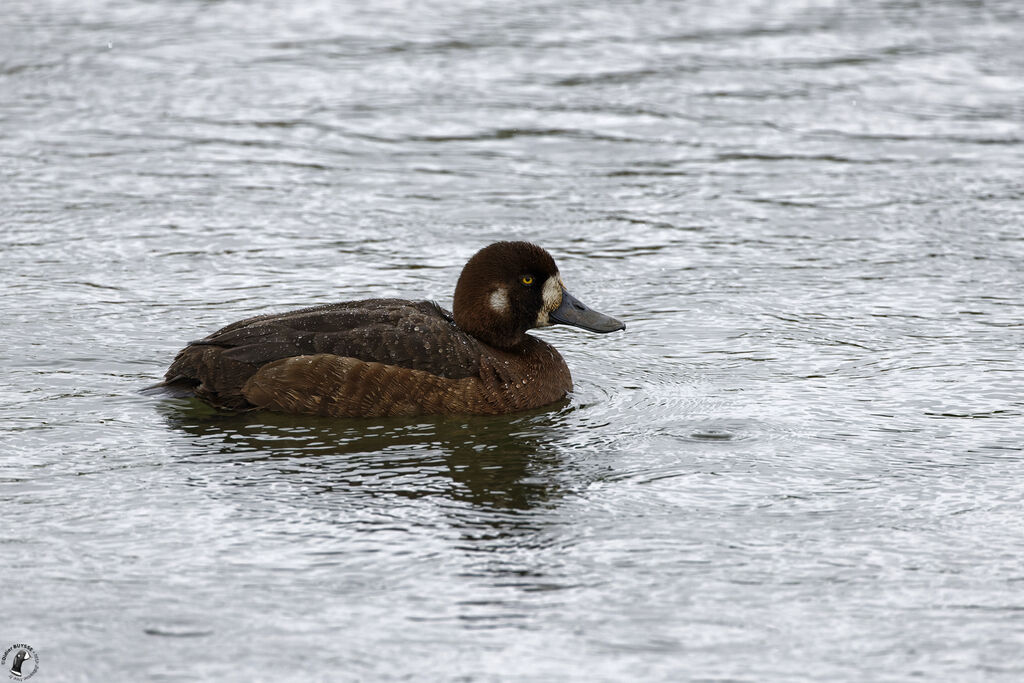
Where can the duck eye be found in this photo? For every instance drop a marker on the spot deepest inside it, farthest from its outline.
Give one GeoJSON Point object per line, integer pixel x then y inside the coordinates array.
{"type": "Point", "coordinates": [526, 279]}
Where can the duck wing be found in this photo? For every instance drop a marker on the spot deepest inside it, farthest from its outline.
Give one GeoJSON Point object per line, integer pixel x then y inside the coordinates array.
{"type": "Point", "coordinates": [417, 335]}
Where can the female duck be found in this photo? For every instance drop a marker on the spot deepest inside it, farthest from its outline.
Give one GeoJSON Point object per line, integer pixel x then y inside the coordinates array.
{"type": "Point", "coordinates": [395, 357]}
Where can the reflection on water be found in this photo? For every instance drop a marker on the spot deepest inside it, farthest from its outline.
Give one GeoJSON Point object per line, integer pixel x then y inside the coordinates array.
{"type": "Point", "coordinates": [484, 464]}
{"type": "Point", "coordinates": [801, 461]}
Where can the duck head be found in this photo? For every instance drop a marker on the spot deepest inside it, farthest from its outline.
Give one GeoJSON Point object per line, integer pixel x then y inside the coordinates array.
{"type": "Point", "coordinates": [19, 659]}
{"type": "Point", "coordinates": [507, 288]}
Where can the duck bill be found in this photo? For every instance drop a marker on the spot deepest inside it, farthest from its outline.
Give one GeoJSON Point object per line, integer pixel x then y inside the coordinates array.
{"type": "Point", "coordinates": [574, 312]}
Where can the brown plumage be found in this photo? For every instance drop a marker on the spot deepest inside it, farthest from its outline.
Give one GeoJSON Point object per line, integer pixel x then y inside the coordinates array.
{"type": "Point", "coordinates": [382, 357]}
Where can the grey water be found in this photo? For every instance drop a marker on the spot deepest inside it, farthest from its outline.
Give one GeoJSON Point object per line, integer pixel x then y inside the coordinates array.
{"type": "Point", "coordinates": [801, 461]}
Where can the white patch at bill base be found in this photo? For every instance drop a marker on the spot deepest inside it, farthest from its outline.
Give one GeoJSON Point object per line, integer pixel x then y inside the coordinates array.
{"type": "Point", "coordinates": [552, 298]}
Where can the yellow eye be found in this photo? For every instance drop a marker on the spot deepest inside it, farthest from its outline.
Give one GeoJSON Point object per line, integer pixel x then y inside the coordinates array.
{"type": "Point", "coordinates": [526, 279]}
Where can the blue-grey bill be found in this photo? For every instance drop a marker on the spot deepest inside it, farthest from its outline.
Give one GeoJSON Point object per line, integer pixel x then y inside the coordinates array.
{"type": "Point", "coordinates": [574, 312]}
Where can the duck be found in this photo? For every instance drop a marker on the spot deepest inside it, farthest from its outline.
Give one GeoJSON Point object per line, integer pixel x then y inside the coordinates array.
{"type": "Point", "coordinates": [20, 657]}
{"type": "Point", "coordinates": [397, 357]}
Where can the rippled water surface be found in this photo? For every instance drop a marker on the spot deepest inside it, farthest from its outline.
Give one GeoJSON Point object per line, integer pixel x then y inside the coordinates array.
{"type": "Point", "coordinates": [802, 460]}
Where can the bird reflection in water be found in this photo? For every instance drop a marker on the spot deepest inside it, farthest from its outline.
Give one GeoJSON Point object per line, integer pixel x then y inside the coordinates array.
{"type": "Point", "coordinates": [500, 463]}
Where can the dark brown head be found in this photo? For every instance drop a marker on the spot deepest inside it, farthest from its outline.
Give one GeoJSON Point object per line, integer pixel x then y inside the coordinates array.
{"type": "Point", "coordinates": [508, 288]}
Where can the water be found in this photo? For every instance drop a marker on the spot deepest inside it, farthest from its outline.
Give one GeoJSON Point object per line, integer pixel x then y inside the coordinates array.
{"type": "Point", "coordinates": [801, 461]}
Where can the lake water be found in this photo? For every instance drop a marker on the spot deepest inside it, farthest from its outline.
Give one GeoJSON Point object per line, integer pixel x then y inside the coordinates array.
{"type": "Point", "coordinates": [801, 461]}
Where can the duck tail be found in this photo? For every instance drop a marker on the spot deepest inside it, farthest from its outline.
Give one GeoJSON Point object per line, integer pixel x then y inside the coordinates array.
{"type": "Point", "coordinates": [179, 387]}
